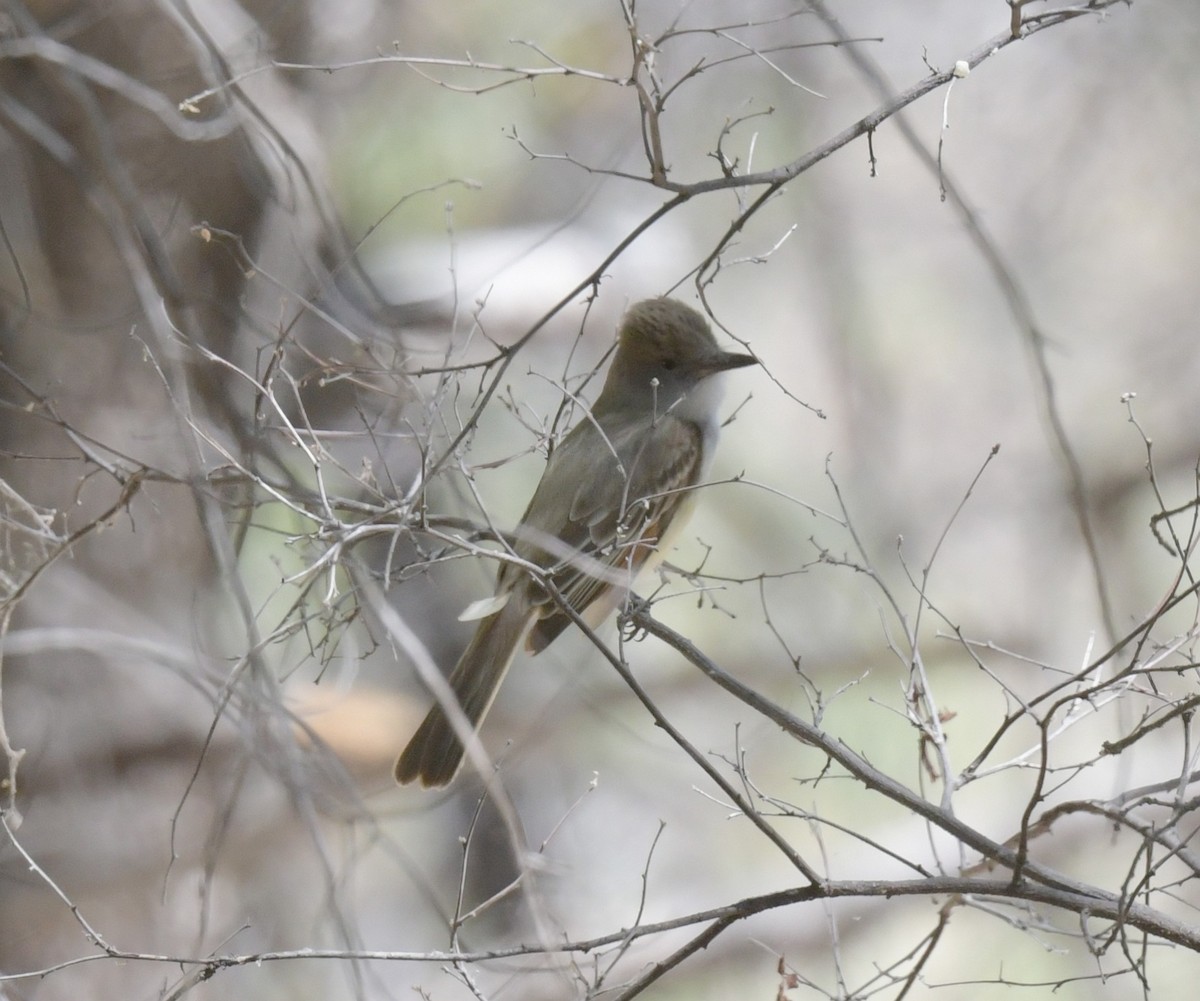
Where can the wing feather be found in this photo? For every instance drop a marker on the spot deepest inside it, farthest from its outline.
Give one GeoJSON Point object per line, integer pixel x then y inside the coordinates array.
{"type": "Point", "coordinates": [614, 520]}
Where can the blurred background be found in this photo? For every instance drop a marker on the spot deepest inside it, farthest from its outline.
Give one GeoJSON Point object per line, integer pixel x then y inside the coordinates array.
{"type": "Point", "coordinates": [238, 339]}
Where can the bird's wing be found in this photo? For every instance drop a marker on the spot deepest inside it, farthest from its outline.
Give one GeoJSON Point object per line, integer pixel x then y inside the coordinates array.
{"type": "Point", "coordinates": [626, 489]}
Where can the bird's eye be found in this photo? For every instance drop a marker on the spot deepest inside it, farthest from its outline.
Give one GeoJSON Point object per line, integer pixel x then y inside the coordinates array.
{"type": "Point", "coordinates": [669, 364]}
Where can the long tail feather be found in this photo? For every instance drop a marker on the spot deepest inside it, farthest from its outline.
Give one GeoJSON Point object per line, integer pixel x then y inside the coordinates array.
{"type": "Point", "coordinates": [435, 752]}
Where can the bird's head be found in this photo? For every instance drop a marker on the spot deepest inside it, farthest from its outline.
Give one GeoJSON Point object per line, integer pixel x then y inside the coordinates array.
{"type": "Point", "coordinates": [664, 340]}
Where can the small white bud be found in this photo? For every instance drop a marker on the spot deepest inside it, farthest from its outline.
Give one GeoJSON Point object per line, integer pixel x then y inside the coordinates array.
{"type": "Point", "coordinates": [961, 68]}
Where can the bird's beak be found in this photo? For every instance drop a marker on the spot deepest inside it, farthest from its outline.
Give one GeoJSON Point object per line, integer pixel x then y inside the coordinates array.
{"type": "Point", "coordinates": [724, 361]}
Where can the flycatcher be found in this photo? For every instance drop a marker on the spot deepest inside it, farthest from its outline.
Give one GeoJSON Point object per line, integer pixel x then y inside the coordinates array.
{"type": "Point", "coordinates": [613, 494]}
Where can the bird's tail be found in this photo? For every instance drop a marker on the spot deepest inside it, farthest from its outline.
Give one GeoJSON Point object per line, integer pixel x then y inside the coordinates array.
{"type": "Point", "coordinates": [435, 752]}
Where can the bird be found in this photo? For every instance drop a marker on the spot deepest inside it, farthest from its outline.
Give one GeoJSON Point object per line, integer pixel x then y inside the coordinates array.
{"type": "Point", "coordinates": [613, 495]}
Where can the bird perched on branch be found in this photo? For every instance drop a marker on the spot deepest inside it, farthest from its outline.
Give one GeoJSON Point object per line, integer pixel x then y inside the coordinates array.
{"type": "Point", "coordinates": [613, 494]}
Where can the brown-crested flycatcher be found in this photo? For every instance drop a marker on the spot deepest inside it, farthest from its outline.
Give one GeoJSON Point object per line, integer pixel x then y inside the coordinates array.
{"type": "Point", "coordinates": [613, 494]}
